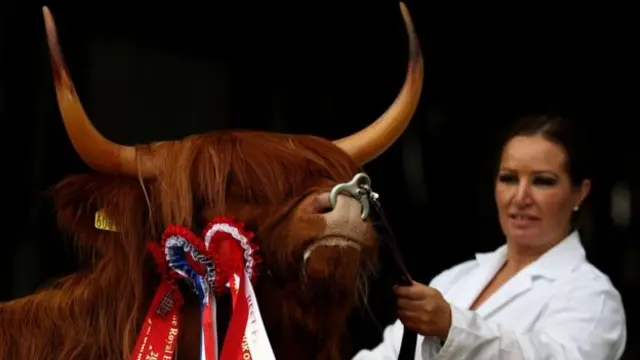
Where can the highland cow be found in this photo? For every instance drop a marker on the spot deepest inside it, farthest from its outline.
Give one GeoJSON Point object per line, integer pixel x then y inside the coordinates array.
{"type": "Point", "coordinates": [315, 257]}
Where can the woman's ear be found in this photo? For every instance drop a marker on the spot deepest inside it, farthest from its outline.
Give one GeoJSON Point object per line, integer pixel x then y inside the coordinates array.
{"type": "Point", "coordinates": [582, 192]}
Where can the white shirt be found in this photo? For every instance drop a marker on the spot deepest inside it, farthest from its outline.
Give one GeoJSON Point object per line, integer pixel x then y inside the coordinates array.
{"type": "Point", "coordinates": [559, 307]}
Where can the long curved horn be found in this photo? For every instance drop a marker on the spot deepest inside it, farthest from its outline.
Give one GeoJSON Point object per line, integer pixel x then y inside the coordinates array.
{"type": "Point", "coordinates": [98, 152]}
{"type": "Point", "coordinates": [370, 142]}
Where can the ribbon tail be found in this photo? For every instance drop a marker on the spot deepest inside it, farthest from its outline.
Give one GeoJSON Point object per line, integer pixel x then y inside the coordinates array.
{"type": "Point", "coordinates": [233, 343]}
{"type": "Point", "coordinates": [256, 333]}
{"type": "Point", "coordinates": [209, 339]}
{"type": "Point", "coordinates": [159, 334]}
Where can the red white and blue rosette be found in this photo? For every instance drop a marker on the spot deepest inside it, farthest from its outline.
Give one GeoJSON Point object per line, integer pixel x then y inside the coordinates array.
{"type": "Point", "coordinates": [188, 258]}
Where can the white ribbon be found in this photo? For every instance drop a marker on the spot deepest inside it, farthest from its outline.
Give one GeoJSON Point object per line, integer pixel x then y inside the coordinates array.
{"type": "Point", "coordinates": [255, 332]}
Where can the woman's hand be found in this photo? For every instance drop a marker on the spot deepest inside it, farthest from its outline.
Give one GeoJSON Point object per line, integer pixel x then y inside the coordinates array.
{"type": "Point", "coordinates": [423, 309]}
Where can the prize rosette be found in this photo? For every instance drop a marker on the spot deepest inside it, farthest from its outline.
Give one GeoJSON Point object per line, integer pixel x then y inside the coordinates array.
{"type": "Point", "coordinates": [236, 260]}
{"type": "Point", "coordinates": [188, 258]}
{"type": "Point", "coordinates": [234, 252]}
{"type": "Point", "coordinates": [226, 260]}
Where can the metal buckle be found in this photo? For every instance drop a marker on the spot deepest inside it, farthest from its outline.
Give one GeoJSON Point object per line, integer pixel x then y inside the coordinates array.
{"type": "Point", "coordinates": [360, 188]}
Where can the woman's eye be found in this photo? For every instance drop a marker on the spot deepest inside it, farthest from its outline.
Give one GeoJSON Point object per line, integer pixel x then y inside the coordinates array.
{"type": "Point", "coordinates": [507, 178]}
{"type": "Point", "coordinates": [545, 181]}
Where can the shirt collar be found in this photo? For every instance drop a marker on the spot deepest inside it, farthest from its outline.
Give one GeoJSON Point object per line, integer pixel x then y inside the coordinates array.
{"type": "Point", "coordinates": [555, 263]}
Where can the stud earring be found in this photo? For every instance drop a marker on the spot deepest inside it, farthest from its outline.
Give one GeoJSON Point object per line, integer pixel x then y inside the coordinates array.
{"type": "Point", "coordinates": [576, 208]}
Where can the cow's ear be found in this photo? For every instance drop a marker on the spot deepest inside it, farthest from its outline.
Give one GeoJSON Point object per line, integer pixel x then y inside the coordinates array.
{"type": "Point", "coordinates": [91, 207]}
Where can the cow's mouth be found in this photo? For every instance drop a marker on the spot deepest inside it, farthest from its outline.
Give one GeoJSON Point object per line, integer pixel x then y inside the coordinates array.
{"type": "Point", "coordinates": [332, 241]}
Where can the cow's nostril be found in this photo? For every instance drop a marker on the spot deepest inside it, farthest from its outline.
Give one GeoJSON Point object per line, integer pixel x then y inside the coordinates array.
{"type": "Point", "coordinates": [320, 205]}
{"type": "Point", "coordinates": [324, 209]}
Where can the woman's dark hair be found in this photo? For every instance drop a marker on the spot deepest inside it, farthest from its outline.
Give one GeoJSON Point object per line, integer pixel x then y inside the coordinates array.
{"type": "Point", "coordinates": [561, 131]}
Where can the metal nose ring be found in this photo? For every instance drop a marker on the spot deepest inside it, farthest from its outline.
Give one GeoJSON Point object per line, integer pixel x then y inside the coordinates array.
{"type": "Point", "coordinates": [359, 188]}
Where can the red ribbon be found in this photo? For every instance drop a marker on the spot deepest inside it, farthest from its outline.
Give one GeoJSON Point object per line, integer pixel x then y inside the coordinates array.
{"type": "Point", "coordinates": [242, 312]}
{"type": "Point", "coordinates": [235, 344]}
{"type": "Point", "coordinates": [158, 338]}
{"type": "Point", "coordinates": [209, 329]}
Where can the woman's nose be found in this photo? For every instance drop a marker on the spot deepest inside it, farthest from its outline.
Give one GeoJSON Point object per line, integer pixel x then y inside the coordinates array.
{"type": "Point", "coordinates": [522, 194]}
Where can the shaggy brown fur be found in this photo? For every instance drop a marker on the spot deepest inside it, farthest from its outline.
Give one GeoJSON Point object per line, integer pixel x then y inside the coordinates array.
{"type": "Point", "coordinates": [262, 178]}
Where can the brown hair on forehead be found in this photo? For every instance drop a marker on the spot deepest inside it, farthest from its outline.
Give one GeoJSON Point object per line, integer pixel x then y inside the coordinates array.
{"type": "Point", "coordinates": [247, 166]}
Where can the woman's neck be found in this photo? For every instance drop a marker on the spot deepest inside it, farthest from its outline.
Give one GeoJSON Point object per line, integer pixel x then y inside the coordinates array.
{"type": "Point", "coordinates": [518, 256]}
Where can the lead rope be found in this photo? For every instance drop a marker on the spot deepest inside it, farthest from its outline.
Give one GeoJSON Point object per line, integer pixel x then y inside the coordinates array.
{"type": "Point", "coordinates": [360, 188]}
{"type": "Point", "coordinates": [409, 337]}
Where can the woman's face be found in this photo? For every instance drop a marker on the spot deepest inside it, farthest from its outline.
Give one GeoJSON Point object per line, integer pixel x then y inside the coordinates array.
{"type": "Point", "coordinates": [534, 194]}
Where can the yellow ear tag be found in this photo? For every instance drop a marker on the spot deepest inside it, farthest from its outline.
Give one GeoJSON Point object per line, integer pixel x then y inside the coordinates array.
{"type": "Point", "coordinates": [102, 222]}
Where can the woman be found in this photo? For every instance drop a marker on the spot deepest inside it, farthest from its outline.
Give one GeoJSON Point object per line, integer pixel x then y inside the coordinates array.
{"type": "Point", "coordinates": [536, 297]}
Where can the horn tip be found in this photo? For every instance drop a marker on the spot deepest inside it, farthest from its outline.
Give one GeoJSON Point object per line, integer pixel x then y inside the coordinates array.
{"type": "Point", "coordinates": [403, 8]}
{"type": "Point", "coordinates": [50, 26]}
{"type": "Point", "coordinates": [415, 53]}
{"type": "Point", "coordinates": [55, 53]}
{"type": "Point", "coordinates": [46, 12]}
